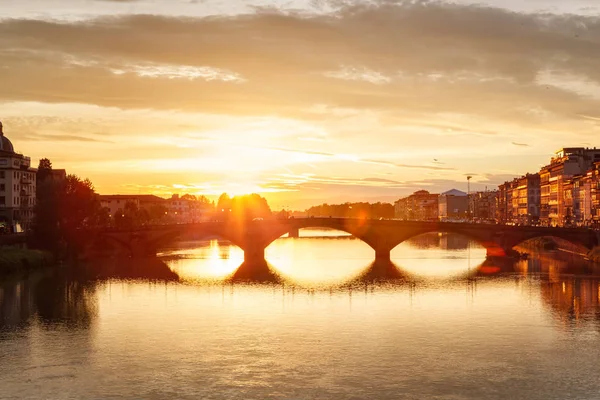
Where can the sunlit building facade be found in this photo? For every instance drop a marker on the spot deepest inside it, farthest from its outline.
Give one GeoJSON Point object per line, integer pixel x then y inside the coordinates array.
{"type": "Point", "coordinates": [420, 206]}
{"type": "Point", "coordinates": [453, 205]}
{"type": "Point", "coordinates": [528, 199]}
{"type": "Point", "coordinates": [483, 205]}
{"type": "Point", "coordinates": [568, 163]}
{"type": "Point", "coordinates": [188, 210]}
{"type": "Point", "coordinates": [507, 204]}
{"type": "Point", "coordinates": [17, 187]}
{"type": "Point", "coordinates": [594, 180]}
{"type": "Point", "coordinates": [116, 202]}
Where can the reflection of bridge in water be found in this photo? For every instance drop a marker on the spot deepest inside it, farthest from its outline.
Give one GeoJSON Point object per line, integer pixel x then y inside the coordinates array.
{"type": "Point", "coordinates": [566, 287]}
{"type": "Point", "coordinates": [253, 237]}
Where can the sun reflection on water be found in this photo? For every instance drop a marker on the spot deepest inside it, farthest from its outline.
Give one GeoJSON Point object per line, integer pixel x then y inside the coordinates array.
{"type": "Point", "coordinates": [323, 258]}
{"type": "Point", "coordinates": [319, 261]}
{"type": "Point", "coordinates": [206, 261]}
{"type": "Point", "coordinates": [439, 256]}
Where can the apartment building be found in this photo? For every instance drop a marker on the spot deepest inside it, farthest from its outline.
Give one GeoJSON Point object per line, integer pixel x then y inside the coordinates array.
{"type": "Point", "coordinates": [17, 187]}
{"type": "Point", "coordinates": [483, 205]}
{"type": "Point", "coordinates": [116, 202]}
{"type": "Point", "coordinates": [453, 205]}
{"type": "Point", "coordinates": [556, 180]}
{"type": "Point", "coordinates": [420, 205]}
{"type": "Point", "coordinates": [594, 180]}
{"type": "Point", "coordinates": [527, 199]}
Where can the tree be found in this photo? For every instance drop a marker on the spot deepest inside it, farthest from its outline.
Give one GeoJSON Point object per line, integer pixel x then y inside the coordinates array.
{"type": "Point", "coordinates": [46, 230]}
{"type": "Point", "coordinates": [131, 216]}
{"type": "Point", "coordinates": [353, 210]}
{"type": "Point", "coordinates": [224, 202]}
{"type": "Point", "coordinates": [250, 206]}
{"type": "Point", "coordinates": [79, 203]}
{"type": "Point", "coordinates": [44, 170]}
{"type": "Point", "coordinates": [157, 213]}
{"type": "Point", "coordinates": [245, 207]}
{"type": "Point", "coordinates": [62, 209]}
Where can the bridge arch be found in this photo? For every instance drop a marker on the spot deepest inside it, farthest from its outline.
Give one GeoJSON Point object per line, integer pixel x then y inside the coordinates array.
{"type": "Point", "coordinates": [148, 241]}
{"type": "Point", "coordinates": [360, 230]}
{"type": "Point", "coordinates": [295, 232]}
{"type": "Point", "coordinates": [584, 245]}
{"type": "Point", "coordinates": [101, 244]}
{"type": "Point", "coordinates": [484, 239]}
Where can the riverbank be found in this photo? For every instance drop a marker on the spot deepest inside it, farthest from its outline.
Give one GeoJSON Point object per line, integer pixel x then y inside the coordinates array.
{"type": "Point", "coordinates": [15, 260]}
{"type": "Point", "coordinates": [550, 243]}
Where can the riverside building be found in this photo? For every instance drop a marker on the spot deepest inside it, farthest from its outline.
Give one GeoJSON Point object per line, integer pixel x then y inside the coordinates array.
{"type": "Point", "coordinates": [17, 187]}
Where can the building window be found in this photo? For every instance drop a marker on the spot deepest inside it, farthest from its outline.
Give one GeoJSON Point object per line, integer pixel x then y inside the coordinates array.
{"type": "Point", "coordinates": [2, 174]}
{"type": "Point", "coordinates": [2, 200]}
{"type": "Point", "coordinates": [2, 187]}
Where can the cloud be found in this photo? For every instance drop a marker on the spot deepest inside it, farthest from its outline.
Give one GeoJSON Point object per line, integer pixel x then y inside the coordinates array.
{"type": "Point", "coordinates": [419, 56]}
{"type": "Point", "coordinates": [381, 180]}
{"type": "Point", "coordinates": [520, 144]}
{"type": "Point", "coordinates": [379, 87]}
{"type": "Point", "coordinates": [359, 74]}
{"type": "Point", "coordinates": [429, 167]}
{"type": "Point", "coordinates": [589, 117]}
{"type": "Point", "coordinates": [61, 138]}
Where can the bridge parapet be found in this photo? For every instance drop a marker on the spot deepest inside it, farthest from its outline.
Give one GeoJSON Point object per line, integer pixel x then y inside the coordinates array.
{"type": "Point", "coordinates": [382, 235]}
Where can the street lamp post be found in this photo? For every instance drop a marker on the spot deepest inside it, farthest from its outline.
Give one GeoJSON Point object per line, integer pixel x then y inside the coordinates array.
{"type": "Point", "coordinates": [469, 198]}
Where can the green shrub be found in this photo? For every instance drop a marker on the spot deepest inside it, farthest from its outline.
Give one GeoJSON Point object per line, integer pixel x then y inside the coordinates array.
{"type": "Point", "coordinates": [14, 259]}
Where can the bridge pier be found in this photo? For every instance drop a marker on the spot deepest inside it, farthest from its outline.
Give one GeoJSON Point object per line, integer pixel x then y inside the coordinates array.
{"type": "Point", "coordinates": [500, 252]}
{"type": "Point", "coordinates": [254, 255]}
{"type": "Point", "coordinates": [294, 233]}
{"type": "Point", "coordinates": [382, 255]}
{"type": "Point", "coordinates": [142, 248]}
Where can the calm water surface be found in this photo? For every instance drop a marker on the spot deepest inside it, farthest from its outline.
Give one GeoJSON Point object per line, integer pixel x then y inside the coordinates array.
{"type": "Point", "coordinates": [438, 324]}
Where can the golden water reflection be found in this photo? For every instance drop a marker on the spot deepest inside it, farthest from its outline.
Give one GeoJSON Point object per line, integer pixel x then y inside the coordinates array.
{"type": "Point", "coordinates": [439, 255]}
{"type": "Point", "coordinates": [213, 260]}
{"type": "Point", "coordinates": [326, 260]}
{"type": "Point", "coordinates": [327, 257]}
{"type": "Point", "coordinates": [532, 329]}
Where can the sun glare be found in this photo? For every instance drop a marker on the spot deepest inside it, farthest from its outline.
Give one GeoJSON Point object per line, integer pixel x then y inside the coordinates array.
{"type": "Point", "coordinates": [214, 262]}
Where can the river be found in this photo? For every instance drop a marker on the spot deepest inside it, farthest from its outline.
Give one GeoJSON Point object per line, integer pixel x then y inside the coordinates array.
{"type": "Point", "coordinates": [440, 323]}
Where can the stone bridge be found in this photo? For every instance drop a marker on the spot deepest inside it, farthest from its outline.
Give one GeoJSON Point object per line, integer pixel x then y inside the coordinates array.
{"type": "Point", "coordinates": [253, 237]}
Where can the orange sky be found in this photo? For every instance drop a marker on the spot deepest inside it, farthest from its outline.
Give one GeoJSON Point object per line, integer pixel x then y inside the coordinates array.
{"type": "Point", "coordinates": [306, 101]}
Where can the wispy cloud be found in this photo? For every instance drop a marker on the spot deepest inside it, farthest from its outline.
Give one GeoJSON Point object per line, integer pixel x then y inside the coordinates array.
{"type": "Point", "coordinates": [179, 72]}
{"type": "Point", "coordinates": [429, 167]}
{"type": "Point", "coordinates": [359, 74]}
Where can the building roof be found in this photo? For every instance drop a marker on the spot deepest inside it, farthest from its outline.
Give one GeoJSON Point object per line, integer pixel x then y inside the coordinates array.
{"type": "Point", "coordinates": [453, 192]}
{"type": "Point", "coordinates": [5, 144]}
{"type": "Point", "coordinates": [58, 174]}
